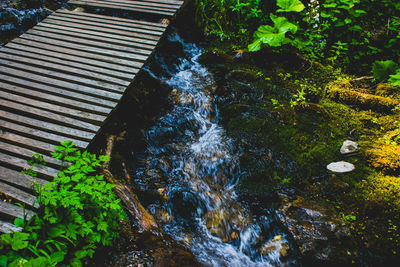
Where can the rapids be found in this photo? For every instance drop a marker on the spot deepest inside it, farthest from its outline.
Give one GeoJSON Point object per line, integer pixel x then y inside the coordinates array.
{"type": "Point", "coordinates": [190, 161]}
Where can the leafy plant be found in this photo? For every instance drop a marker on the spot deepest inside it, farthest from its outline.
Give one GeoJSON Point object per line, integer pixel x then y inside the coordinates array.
{"type": "Point", "coordinates": [383, 69]}
{"type": "Point", "coordinates": [290, 6]}
{"type": "Point", "coordinates": [78, 212]}
{"type": "Point", "coordinates": [395, 78]}
{"type": "Point", "coordinates": [273, 36]}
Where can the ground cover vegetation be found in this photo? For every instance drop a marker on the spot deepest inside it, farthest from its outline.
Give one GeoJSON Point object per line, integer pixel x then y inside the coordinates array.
{"type": "Point", "coordinates": [297, 78]}
{"type": "Point", "coordinates": [78, 213]}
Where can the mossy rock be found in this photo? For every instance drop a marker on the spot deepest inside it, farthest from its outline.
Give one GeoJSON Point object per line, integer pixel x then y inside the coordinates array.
{"type": "Point", "coordinates": [385, 90]}
{"type": "Point", "coordinates": [385, 153]}
{"type": "Point", "coordinates": [243, 75]}
{"type": "Point", "coordinates": [215, 56]}
{"type": "Point", "coordinates": [362, 100]}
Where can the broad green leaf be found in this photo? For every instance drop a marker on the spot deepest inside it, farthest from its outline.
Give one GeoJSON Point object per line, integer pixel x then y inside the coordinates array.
{"type": "Point", "coordinates": [282, 25]}
{"type": "Point", "coordinates": [290, 6]}
{"type": "Point", "coordinates": [395, 79]}
{"type": "Point", "coordinates": [3, 261]}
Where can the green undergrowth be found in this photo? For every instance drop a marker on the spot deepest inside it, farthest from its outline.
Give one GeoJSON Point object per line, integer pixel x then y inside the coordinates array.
{"type": "Point", "coordinates": [78, 213]}
{"type": "Point", "coordinates": [289, 127]}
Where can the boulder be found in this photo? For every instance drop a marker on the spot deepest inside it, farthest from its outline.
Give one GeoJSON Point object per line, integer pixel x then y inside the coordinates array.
{"type": "Point", "coordinates": [215, 56]}
{"type": "Point", "coordinates": [340, 167]}
{"type": "Point", "coordinates": [318, 232]}
{"type": "Point", "coordinates": [349, 148]}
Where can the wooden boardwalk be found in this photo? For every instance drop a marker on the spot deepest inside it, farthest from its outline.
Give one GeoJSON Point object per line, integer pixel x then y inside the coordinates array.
{"type": "Point", "coordinates": [60, 81]}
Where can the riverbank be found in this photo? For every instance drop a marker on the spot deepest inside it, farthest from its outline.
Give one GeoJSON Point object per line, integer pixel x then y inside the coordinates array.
{"type": "Point", "coordinates": [287, 139]}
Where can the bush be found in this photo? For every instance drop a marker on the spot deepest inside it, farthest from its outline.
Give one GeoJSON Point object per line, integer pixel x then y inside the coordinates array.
{"type": "Point", "coordinates": [78, 212]}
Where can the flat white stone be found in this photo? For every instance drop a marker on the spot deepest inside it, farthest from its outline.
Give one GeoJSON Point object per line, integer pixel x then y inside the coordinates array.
{"type": "Point", "coordinates": [341, 167]}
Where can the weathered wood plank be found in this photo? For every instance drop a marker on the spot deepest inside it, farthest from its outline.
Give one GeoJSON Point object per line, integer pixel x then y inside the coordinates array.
{"type": "Point", "coordinates": [15, 211]}
{"type": "Point", "coordinates": [6, 228]}
{"type": "Point", "coordinates": [113, 6]}
{"type": "Point", "coordinates": [50, 116]}
{"type": "Point", "coordinates": [53, 99]}
{"type": "Point", "coordinates": [47, 126]}
{"type": "Point", "coordinates": [47, 50]}
{"type": "Point", "coordinates": [169, 10]}
{"type": "Point", "coordinates": [149, 39]}
{"type": "Point", "coordinates": [102, 97]}
{"type": "Point", "coordinates": [84, 41]}
{"type": "Point", "coordinates": [67, 69]}
{"type": "Point", "coordinates": [38, 134]}
{"type": "Point", "coordinates": [114, 19]}
{"type": "Point", "coordinates": [84, 35]}
{"type": "Point", "coordinates": [20, 164]}
{"type": "Point", "coordinates": [19, 195]}
{"type": "Point", "coordinates": [110, 20]}
{"type": "Point", "coordinates": [120, 25]}
{"type": "Point", "coordinates": [172, 6]}
{"type": "Point", "coordinates": [19, 179]}
{"type": "Point", "coordinates": [25, 153]}
{"type": "Point", "coordinates": [58, 74]}
{"type": "Point", "coordinates": [36, 145]}
{"type": "Point", "coordinates": [84, 116]}
{"type": "Point", "coordinates": [85, 51]}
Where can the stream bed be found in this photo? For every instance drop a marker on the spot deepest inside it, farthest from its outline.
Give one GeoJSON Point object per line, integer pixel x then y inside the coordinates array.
{"type": "Point", "coordinates": [194, 167]}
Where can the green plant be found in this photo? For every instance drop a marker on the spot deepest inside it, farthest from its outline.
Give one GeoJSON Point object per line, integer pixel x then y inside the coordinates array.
{"type": "Point", "coordinates": [276, 35]}
{"type": "Point", "coordinates": [298, 99]}
{"type": "Point", "coordinates": [78, 212]}
{"type": "Point", "coordinates": [395, 78]}
{"type": "Point", "coordinates": [382, 70]}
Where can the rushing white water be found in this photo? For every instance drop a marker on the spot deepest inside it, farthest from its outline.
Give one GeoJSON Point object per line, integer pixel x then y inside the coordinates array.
{"type": "Point", "coordinates": [202, 171]}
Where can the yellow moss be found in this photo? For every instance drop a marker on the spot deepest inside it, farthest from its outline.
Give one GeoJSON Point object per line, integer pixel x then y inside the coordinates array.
{"type": "Point", "coordinates": [383, 191]}
{"type": "Point", "coordinates": [385, 90]}
{"type": "Point", "coordinates": [362, 100]}
{"type": "Point", "coordinates": [385, 154]}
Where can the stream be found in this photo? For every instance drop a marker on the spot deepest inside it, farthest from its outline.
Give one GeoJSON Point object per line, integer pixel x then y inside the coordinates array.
{"type": "Point", "coordinates": [194, 166]}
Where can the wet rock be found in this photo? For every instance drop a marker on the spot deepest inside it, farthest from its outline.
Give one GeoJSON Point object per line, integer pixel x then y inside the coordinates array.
{"type": "Point", "coordinates": [277, 244]}
{"type": "Point", "coordinates": [349, 148]}
{"type": "Point", "coordinates": [181, 98]}
{"type": "Point", "coordinates": [341, 167]}
{"type": "Point", "coordinates": [174, 257]}
{"type": "Point", "coordinates": [226, 223]}
{"type": "Point", "coordinates": [215, 56]}
{"type": "Point", "coordinates": [318, 232]}
{"type": "Point", "coordinates": [186, 204]}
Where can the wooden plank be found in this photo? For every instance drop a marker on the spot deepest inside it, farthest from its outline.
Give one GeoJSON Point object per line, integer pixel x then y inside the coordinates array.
{"type": "Point", "coordinates": [66, 69]}
{"type": "Point", "coordinates": [75, 49]}
{"type": "Point", "coordinates": [109, 68]}
{"type": "Point", "coordinates": [6, 228]}
{"type": "Point", "coordinates": [15, 211]}
{"type": "Point", "coordinates": [56, 91]}
{"type": "Point", "coordinates": [19, 195]}
{"type": "Point", "coordinates": [50, 116]}
{"type": "Point", "coordinates": [85, 116]}
{"type": "Point", "coordinates": [27, 154]}
{"type": "Point", "coordinates": [113, 20]}
{"type": "Point", "coordinates": [137, 26]}
{"type": "Point", "coordinates": [110, 99]}
{"type": "Point", "coordinates": [19, 179]}
{"type": "Point", "coordinates": [53, 99]}
{"type": "Point", "coordinates": [170, 6]}
{"type": "Point", "coordinates": [47, 126]}
{"type": "Point", "coordinates": [20, 164]}
{"type": "Point", "coordinates": [113, 6]}
{"type": "Point", "coordinates": [59, 75]}
{"type": "Point", "coordinates": [158, 9]}
{"type": "Point", "coordinates": [36, 145]}
{"type": "Point", "coordinates": [100, 28]}
{"type": "Point", "coordinates": [100, 37]}
{"type": "Point", "coordinates": [109, 18]}
{"type": "Point", "coordinates": [84, 41]}
{"type": "Point", "coordinates": [39, 135]}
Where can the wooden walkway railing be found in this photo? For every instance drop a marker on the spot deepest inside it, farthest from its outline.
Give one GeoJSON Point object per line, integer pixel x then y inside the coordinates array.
{"type": "Point", "coordinates": [60, 81]}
